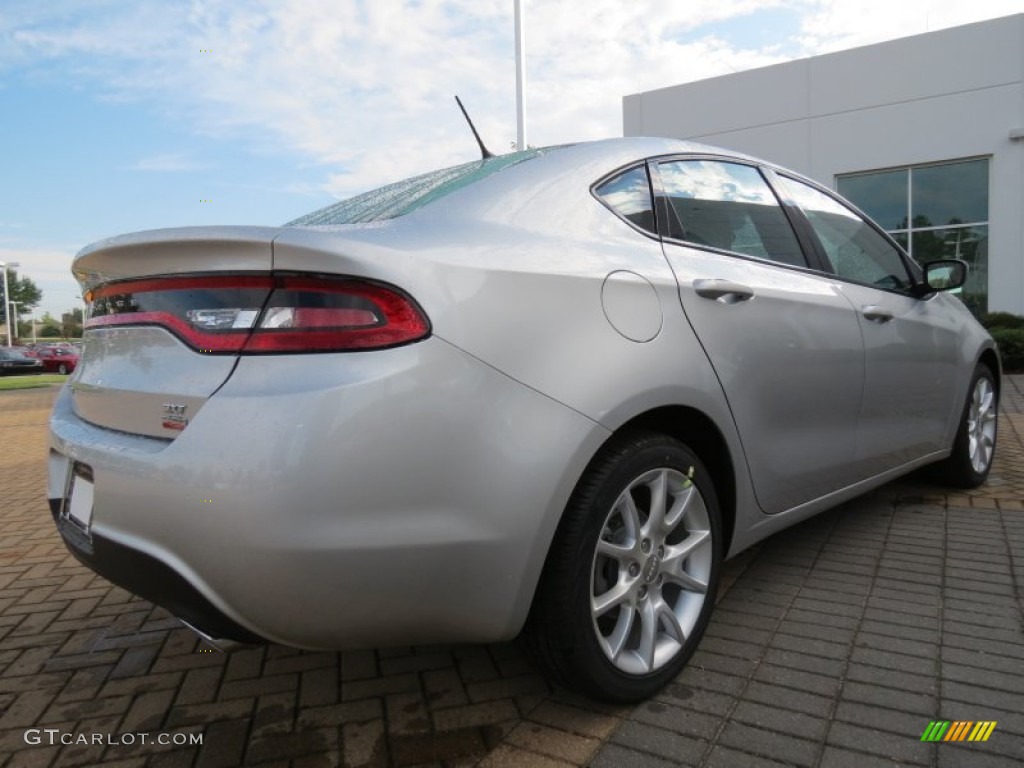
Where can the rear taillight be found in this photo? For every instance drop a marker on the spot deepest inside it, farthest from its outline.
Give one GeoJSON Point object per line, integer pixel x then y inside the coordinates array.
{"type": "Point", "coordinates": [261, 314]}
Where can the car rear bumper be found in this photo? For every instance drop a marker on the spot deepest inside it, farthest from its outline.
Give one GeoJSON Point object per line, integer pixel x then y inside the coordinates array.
{"type": "Point", "coordinates": [352, 500]}
{"type": "Point", "coordinates": [150, 578]}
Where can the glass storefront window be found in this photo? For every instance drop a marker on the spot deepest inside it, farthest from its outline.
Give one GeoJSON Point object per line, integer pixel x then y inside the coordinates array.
{"type": "Point", "coordinates": [882, 196]}
{"type": "Point", "coordinates": [956, 193]}
{"type": "Point", "coordinates": [967, 243]}
{"type": "Point", "coordinates": [935, 212]}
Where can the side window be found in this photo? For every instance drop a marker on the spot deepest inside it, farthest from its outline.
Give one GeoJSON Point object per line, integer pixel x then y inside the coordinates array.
{"type": "Point", "coordinates": [856, 250]}
{"type": "Point", "coordinates": [629, 195]}
{"type": "Point", "coordinates": [728, 206]}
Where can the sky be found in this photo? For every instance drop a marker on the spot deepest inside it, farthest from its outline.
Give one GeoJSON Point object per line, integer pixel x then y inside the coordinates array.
{"type": "Point", "coordinates": [124, 115]}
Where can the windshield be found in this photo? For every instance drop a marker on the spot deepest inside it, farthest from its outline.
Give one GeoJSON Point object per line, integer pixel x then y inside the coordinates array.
{"type": "Point", "coordinates": [406, 196]}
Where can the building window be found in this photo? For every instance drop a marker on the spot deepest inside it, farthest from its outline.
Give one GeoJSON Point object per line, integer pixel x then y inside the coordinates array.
{"type": "Point", "coordinates": [935, 212]}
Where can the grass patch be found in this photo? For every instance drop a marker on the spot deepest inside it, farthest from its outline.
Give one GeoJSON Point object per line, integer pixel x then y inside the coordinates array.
{"type": "Point", "coordinates": [30, 381]}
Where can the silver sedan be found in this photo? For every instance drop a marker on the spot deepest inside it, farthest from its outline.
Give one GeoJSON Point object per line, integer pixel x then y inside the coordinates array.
{"type": "Point", "coordinates": [545, 394]}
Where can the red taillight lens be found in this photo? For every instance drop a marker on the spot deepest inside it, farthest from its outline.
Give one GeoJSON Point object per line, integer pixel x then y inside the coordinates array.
{"type": "Point", "coordinates": [308, 313]}
{"type": "Point", "coordinates": [255, 314]}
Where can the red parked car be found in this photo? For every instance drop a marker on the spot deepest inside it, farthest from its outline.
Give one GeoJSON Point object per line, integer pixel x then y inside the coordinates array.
{"type": "Point", "coordinates": [60, 360]}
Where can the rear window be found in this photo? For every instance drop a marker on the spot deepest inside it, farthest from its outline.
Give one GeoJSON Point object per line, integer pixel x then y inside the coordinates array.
{"type": "Point", "coordinates": [406, 196]}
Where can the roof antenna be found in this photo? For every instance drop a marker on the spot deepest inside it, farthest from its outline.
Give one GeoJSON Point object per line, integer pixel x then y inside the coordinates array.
{"type": "Point", "coordinates": [483, 150]}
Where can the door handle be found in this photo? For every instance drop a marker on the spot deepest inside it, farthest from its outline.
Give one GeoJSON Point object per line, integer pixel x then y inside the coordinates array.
{"type": "Point", "coordinates": [723, 291]}
{"type": "Point", "coordinates": [876, 314]}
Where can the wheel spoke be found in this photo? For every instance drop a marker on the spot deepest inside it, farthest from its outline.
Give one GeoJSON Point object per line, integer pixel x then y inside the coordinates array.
{"type": "Point", "coordinates": [680, 507]}
{"type": "Point", "coordinates": [648, 635]}
{"type": "Point", "coordinates": [687, 582]}
{"type": "Point", "coordinates": [616, 641]}
{"type": "Point", "coordinates": [604, 602]}
{"type": "Point", "coordinates": [671, 622]}
{"type": "Point", "coordinates": [984, 452]}
{"type": "Point", "coordinates": [659, 501]}
{"type": "Point", "coordinates": [615, 551]}
{"type": "Point", "coordinates": [676, 555]}
{"type": "Point", "coordinates": [985, 396]}
{"type": "Point", "coordinates": [696, 514]}
{"type": "Point", "coordinates": [630, 516]}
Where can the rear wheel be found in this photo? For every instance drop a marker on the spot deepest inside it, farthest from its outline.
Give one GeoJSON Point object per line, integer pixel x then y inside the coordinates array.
{"type": "Point", "coordinates": [62, 369]}
{"type": "Point", "coordinates": [630, 581]}
{"type": "Point", "coordinates": [974, 447]}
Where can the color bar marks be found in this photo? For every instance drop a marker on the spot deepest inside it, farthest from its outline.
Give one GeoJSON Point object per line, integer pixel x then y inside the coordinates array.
{"type": "Point", "coordinates": [958, 730]}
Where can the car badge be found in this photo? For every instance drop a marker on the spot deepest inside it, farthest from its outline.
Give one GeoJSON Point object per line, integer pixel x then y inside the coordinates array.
{"type": "Point", "coordinates": [174, 416]}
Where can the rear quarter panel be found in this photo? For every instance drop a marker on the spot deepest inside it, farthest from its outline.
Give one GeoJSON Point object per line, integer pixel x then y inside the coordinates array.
{"type": "Point", "coordinates": [513, 274]}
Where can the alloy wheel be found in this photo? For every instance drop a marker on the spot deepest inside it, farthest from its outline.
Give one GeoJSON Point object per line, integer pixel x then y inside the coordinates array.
{"type": "Point", "coordinates": [981, 424]}
{"type": "Point", "coordinates": [651, 570]}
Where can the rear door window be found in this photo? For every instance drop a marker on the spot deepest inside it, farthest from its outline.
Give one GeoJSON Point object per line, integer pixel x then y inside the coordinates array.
{"type": "Point", "coordinates": [730, 207]}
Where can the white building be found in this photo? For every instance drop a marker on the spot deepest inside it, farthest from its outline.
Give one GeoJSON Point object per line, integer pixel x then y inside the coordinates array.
{"type": "Point", "coordinates": [925, 133]}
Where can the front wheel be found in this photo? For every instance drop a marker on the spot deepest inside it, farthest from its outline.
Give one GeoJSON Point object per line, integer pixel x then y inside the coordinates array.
{"type": "Point", "coordinates": [974, 447]}
{"type": "Point", "coordinates": [62, 369]}
{"type": "Point", "coordinates": [630, 581]}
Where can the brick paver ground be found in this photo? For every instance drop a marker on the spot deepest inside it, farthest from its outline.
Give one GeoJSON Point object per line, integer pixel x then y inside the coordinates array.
{"type": "Point", "coordinates": [838, 641]}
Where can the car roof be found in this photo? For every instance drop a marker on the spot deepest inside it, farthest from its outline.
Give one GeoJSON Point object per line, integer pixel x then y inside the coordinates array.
{"type": "Point", "coordinates": [582, 161]}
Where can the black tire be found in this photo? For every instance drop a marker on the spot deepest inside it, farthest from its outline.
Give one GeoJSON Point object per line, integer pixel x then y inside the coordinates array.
{"type": "Point", "coordinates": [959, 470]}
{"type": "Point", "coordinates": [62, 369]}
{"type": "Point", "coordinates": [564, 636]}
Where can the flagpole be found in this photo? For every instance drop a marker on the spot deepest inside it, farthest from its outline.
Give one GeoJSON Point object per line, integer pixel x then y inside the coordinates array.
{"type": "Point", "coordinates": [520, 79]}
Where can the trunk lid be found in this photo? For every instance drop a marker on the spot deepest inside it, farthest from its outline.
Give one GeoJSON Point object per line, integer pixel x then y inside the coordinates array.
{"type": "Point", "coordinates": [146, 379]}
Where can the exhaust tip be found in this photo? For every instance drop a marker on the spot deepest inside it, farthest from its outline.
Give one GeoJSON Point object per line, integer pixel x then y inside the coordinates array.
{"type": "Point", "coordinates": [221, 644]}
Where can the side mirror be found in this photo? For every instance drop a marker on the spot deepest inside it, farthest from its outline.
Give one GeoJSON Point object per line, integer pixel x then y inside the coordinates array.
{"type": "Point", "coordinates": [944, 275]}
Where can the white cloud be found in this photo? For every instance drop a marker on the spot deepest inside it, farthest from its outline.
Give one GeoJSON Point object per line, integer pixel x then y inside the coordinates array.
{"type": "Point", "coordinates": [50, 270]}
{"type": "Point", "coordinates": [365, 89]}
{"type": "Point", "coordinates": [171, 163]}
{"type": "Point", "coordinates": [832, 25]}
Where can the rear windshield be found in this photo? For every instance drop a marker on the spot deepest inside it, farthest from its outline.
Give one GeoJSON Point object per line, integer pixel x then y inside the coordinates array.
{"type": "Point", "coordinates": [406, 196]}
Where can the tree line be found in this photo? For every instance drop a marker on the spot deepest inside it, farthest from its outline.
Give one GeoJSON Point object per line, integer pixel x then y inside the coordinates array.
{"type": "Point", "coordinates": [26, 295]}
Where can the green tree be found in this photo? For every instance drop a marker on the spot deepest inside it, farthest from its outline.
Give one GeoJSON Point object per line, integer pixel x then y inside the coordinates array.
{"type": "Point", "coordinates": [23, 291]}
{"type": "Point", "coordinates": [71, 324]}
{"type": "Point", "coordinates": [50, 326]}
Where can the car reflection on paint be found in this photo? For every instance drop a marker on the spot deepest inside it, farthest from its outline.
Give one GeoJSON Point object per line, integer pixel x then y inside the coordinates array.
{"type": "Point", "coordinates": [544, 393]}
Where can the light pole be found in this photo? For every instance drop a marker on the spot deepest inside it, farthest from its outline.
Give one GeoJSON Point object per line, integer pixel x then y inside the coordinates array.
{"type": "Point", "coordinates": [7, 295]}
{"type": "Point", "coordinates": [520, 78]}
{"type": "Point", "coordinates": [15, 305]}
